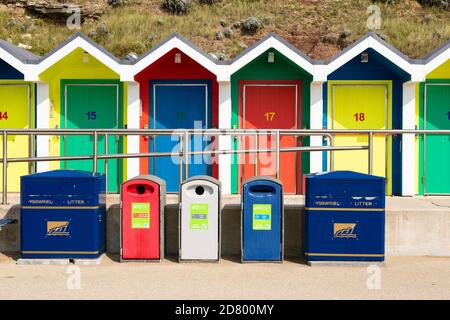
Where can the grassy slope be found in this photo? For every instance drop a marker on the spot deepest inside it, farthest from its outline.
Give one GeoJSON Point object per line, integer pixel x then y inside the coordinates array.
{"type": "Point", "coordinates": [142, 24]}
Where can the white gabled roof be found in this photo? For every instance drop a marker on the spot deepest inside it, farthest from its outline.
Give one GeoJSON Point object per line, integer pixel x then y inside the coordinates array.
{"type": "Point", "coordinates": [76, 41]}
{"type": "Point", "coordinates": [372, 41]}
{"type": "Point", "coordinates": [20, 59]}
{"type": "Point", "coordinates": [178, 42]}
{"type": "Point", "coordinates": [435, 58]}
{"type": "Point", "coordinates": [289, 51]}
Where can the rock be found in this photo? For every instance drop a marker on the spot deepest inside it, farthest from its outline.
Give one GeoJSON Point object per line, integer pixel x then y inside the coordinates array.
{"type": "Point", "coordinates": [27, 36]}
{"type": "Point", "coordinates": [221, 57]}
{"type": "Point", "coordinates": [11, 23]}
{"type": "Point", "coordinates": [330, 38]}
{"type": "Point", "coordinates": [131, 56]}
{"type": "Point", "coordinates": [223, 23]}
{"type": "Point", "coordinates": [436, 3]}
{"type": "Point", "coordinates": [60, 10]}
{"type": "Point", "coordinates": [161, 22]}
{"type": "Point", "coordinates": [345, 34]}
{"type": "Point", "coordinates": [214, 56]}
{"type": "Point", "coordinates": [102, 29]}
{"type": "Point", "coordinates": [237, 24]}
{"type": "Point", "coordinates": [116, 3]}
{"type": "Point", "coordinates": [427, 18]}
{"type": "Point", "coordinates": [24, 46]}
{"type": "Point", "coordinates": [267, 20]}
{"type": "Point", "coordinates": [251, 25]}
{"type": "Point", "coordinates": [219, 35]}
{"type": "Point", "coordinates": [228, 33]}
{"type": "Point", "coordinates": [178, 7]}
{"type": "Point", "coordinates": [243, 46]}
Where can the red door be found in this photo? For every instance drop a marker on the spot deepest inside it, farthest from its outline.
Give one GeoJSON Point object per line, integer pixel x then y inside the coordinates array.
{"type": "Point", "coordinates": [271, 105]}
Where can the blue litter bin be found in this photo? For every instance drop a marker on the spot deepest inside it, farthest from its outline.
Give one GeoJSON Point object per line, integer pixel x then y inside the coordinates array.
{"type": "Point", "coordinates": [63, 214]}
{"type": "Point", "coordinates": [344, 217]}
{"type": "Point", "coordinates": [262, 217]}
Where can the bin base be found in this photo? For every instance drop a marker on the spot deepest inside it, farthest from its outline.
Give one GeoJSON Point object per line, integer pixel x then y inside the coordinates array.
{"type": "Point", "coordinates": [345, 263]}
{"type": "Point", "coordinates": [27, 261]}
{"type": "Point", "coordinates": [81, 262]}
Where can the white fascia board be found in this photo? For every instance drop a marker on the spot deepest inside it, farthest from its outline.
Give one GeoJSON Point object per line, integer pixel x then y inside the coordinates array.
{"type": "Point", "coordinates": [266, 45]}
{"type": "Point", "coordinates": [346, 57]}
{"type": "Point", "coordinates": [13, 61]}
{"type": "Point", "coordinates": [73, 45]}
{"type": "Point", "coordinates": [168, 46]}
{"type": "Point", "coordinates": [320, 73]}
{"type": "Point", "coordinates": [436, 62]}
{"type": "Point", "coordinates": [370, 43]}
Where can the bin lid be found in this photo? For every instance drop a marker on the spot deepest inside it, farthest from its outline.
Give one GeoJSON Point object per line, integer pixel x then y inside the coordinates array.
{"type": "Point", "coordinates": [64, 174]}
{"type": "Point", "coordinates": [343, 175]}
{"type": "Point", "coordinates": [203, 177]}
{"type": "Point", "coordinates": [268, 178]}
{"type": "Point", "coordinates": [148, 177]}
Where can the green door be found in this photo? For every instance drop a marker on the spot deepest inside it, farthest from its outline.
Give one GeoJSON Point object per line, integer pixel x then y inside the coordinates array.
{"type": "Point", "coordinates": [437, 147]}
{"type": "Point", "coordinates": [92, 106]}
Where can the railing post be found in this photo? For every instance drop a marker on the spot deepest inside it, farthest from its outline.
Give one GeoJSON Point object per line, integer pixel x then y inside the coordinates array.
{"type": "Point", "coordinates": [186, 154]}
{"type": "Point", "coordinates": [5, 169]}
{"type": "Point", "coordinates": [331, 153]}
{"type": "Point", "coordinates": [180, 156]}
{"type": "Point", "coordinates": [95, 150]}
{"type": "Point", "coordinates": [106, 161]}
{"type": "Point", "coordinates": [255, 157]}
{"type": "Point", "coordinates": [278, 154]}
{"type": "Point", "coordinates": [370, 152]}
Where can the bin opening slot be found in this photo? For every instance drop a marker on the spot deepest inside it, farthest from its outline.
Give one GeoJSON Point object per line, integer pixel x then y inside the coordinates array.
{"type": "Point", "coordinates": [262, 190]}
{"type": "Point", "coordinates": [199, 190]}
{"type": "Point", "coordinates": [140, 189]}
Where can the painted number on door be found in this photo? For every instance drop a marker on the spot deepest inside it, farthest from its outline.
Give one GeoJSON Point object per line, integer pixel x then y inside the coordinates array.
{"type": "Point", "coordinates": [269, 116]}
{"type": "Point", "coordinates": [3, 115]}
{"type": "Point", "coordinates": [91, 115]}
{"type": "Point", "coordinates": [181, 115]}
{"type": "Point", "coordinates": [359, 116]}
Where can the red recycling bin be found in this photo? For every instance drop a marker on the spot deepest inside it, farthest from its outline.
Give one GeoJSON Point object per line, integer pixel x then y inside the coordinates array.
{"type": "Point", "coordinates": [142, 222]}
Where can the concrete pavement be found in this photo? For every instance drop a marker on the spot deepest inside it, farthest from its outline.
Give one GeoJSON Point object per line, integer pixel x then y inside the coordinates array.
{"type": "Point", "coordinates": [402, 278]}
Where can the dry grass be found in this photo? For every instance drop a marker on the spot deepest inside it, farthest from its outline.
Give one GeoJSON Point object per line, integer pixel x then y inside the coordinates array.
{"type": "Point", "coordinates": [142, 24]}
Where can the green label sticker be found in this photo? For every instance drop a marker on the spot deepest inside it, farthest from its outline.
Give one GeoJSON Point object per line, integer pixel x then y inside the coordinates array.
{"type": "Point", "coordinates": [262, 217]}
{"type": "Point", "coordinates": [140, 215]}
{"type": "Point", "coordinates": [199, 216]}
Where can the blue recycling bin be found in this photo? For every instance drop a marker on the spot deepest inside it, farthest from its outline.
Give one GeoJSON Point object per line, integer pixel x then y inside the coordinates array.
{"type": "Point", "coordinates": [262, 217]}
{"type": "Point", "coordinates": [63, 214]}
{"type": "Point", "coordinates": [344, 217]}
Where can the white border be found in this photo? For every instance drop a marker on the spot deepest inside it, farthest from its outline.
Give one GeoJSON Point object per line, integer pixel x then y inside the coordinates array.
{"type": "Point", "coordinates": [78, 42]}
{"type": "Point", "coordinates": [175, 42]}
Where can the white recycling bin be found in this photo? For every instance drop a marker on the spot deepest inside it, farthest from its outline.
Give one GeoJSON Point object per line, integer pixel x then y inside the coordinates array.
{"type": "Point", "coordinates": [199, 219]}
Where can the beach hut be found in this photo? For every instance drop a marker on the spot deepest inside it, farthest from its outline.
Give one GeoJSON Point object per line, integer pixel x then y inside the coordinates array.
{"type": "Point", "coordinates": [364, 90]}
{"type": "Point", "coordinates": [434, 114]}
{"type": "Point", "coordinates": [271, 89]}
{"type": "Point", "coordinates": [178, 89]}
{"type": "Point", "coordinates": [81, 89]}
{"type": "Point", "coordinates": [16, 108]}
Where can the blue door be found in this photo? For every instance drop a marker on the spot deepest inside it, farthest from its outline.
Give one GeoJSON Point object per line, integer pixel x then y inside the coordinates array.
{"type": "Point", "coordinates": [179, 105]}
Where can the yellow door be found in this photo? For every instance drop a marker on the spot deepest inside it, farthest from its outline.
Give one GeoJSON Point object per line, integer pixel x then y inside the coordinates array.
{"type": "Point", "coordinates": [14, 114]}
{"type": "Point", "coordinates": [360, 107]}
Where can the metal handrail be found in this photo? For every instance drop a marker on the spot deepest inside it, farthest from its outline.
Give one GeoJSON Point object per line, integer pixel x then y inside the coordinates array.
{"type": "Point", "coordinates": [184, 136]}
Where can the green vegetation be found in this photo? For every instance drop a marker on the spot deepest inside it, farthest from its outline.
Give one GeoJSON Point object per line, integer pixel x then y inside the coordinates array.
{"type": "Point", "coordinates": [319, 28]}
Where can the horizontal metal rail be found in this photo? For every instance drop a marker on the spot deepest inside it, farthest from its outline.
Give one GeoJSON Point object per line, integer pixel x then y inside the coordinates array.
{"type": "Point", "coordinates": [184, 136]}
